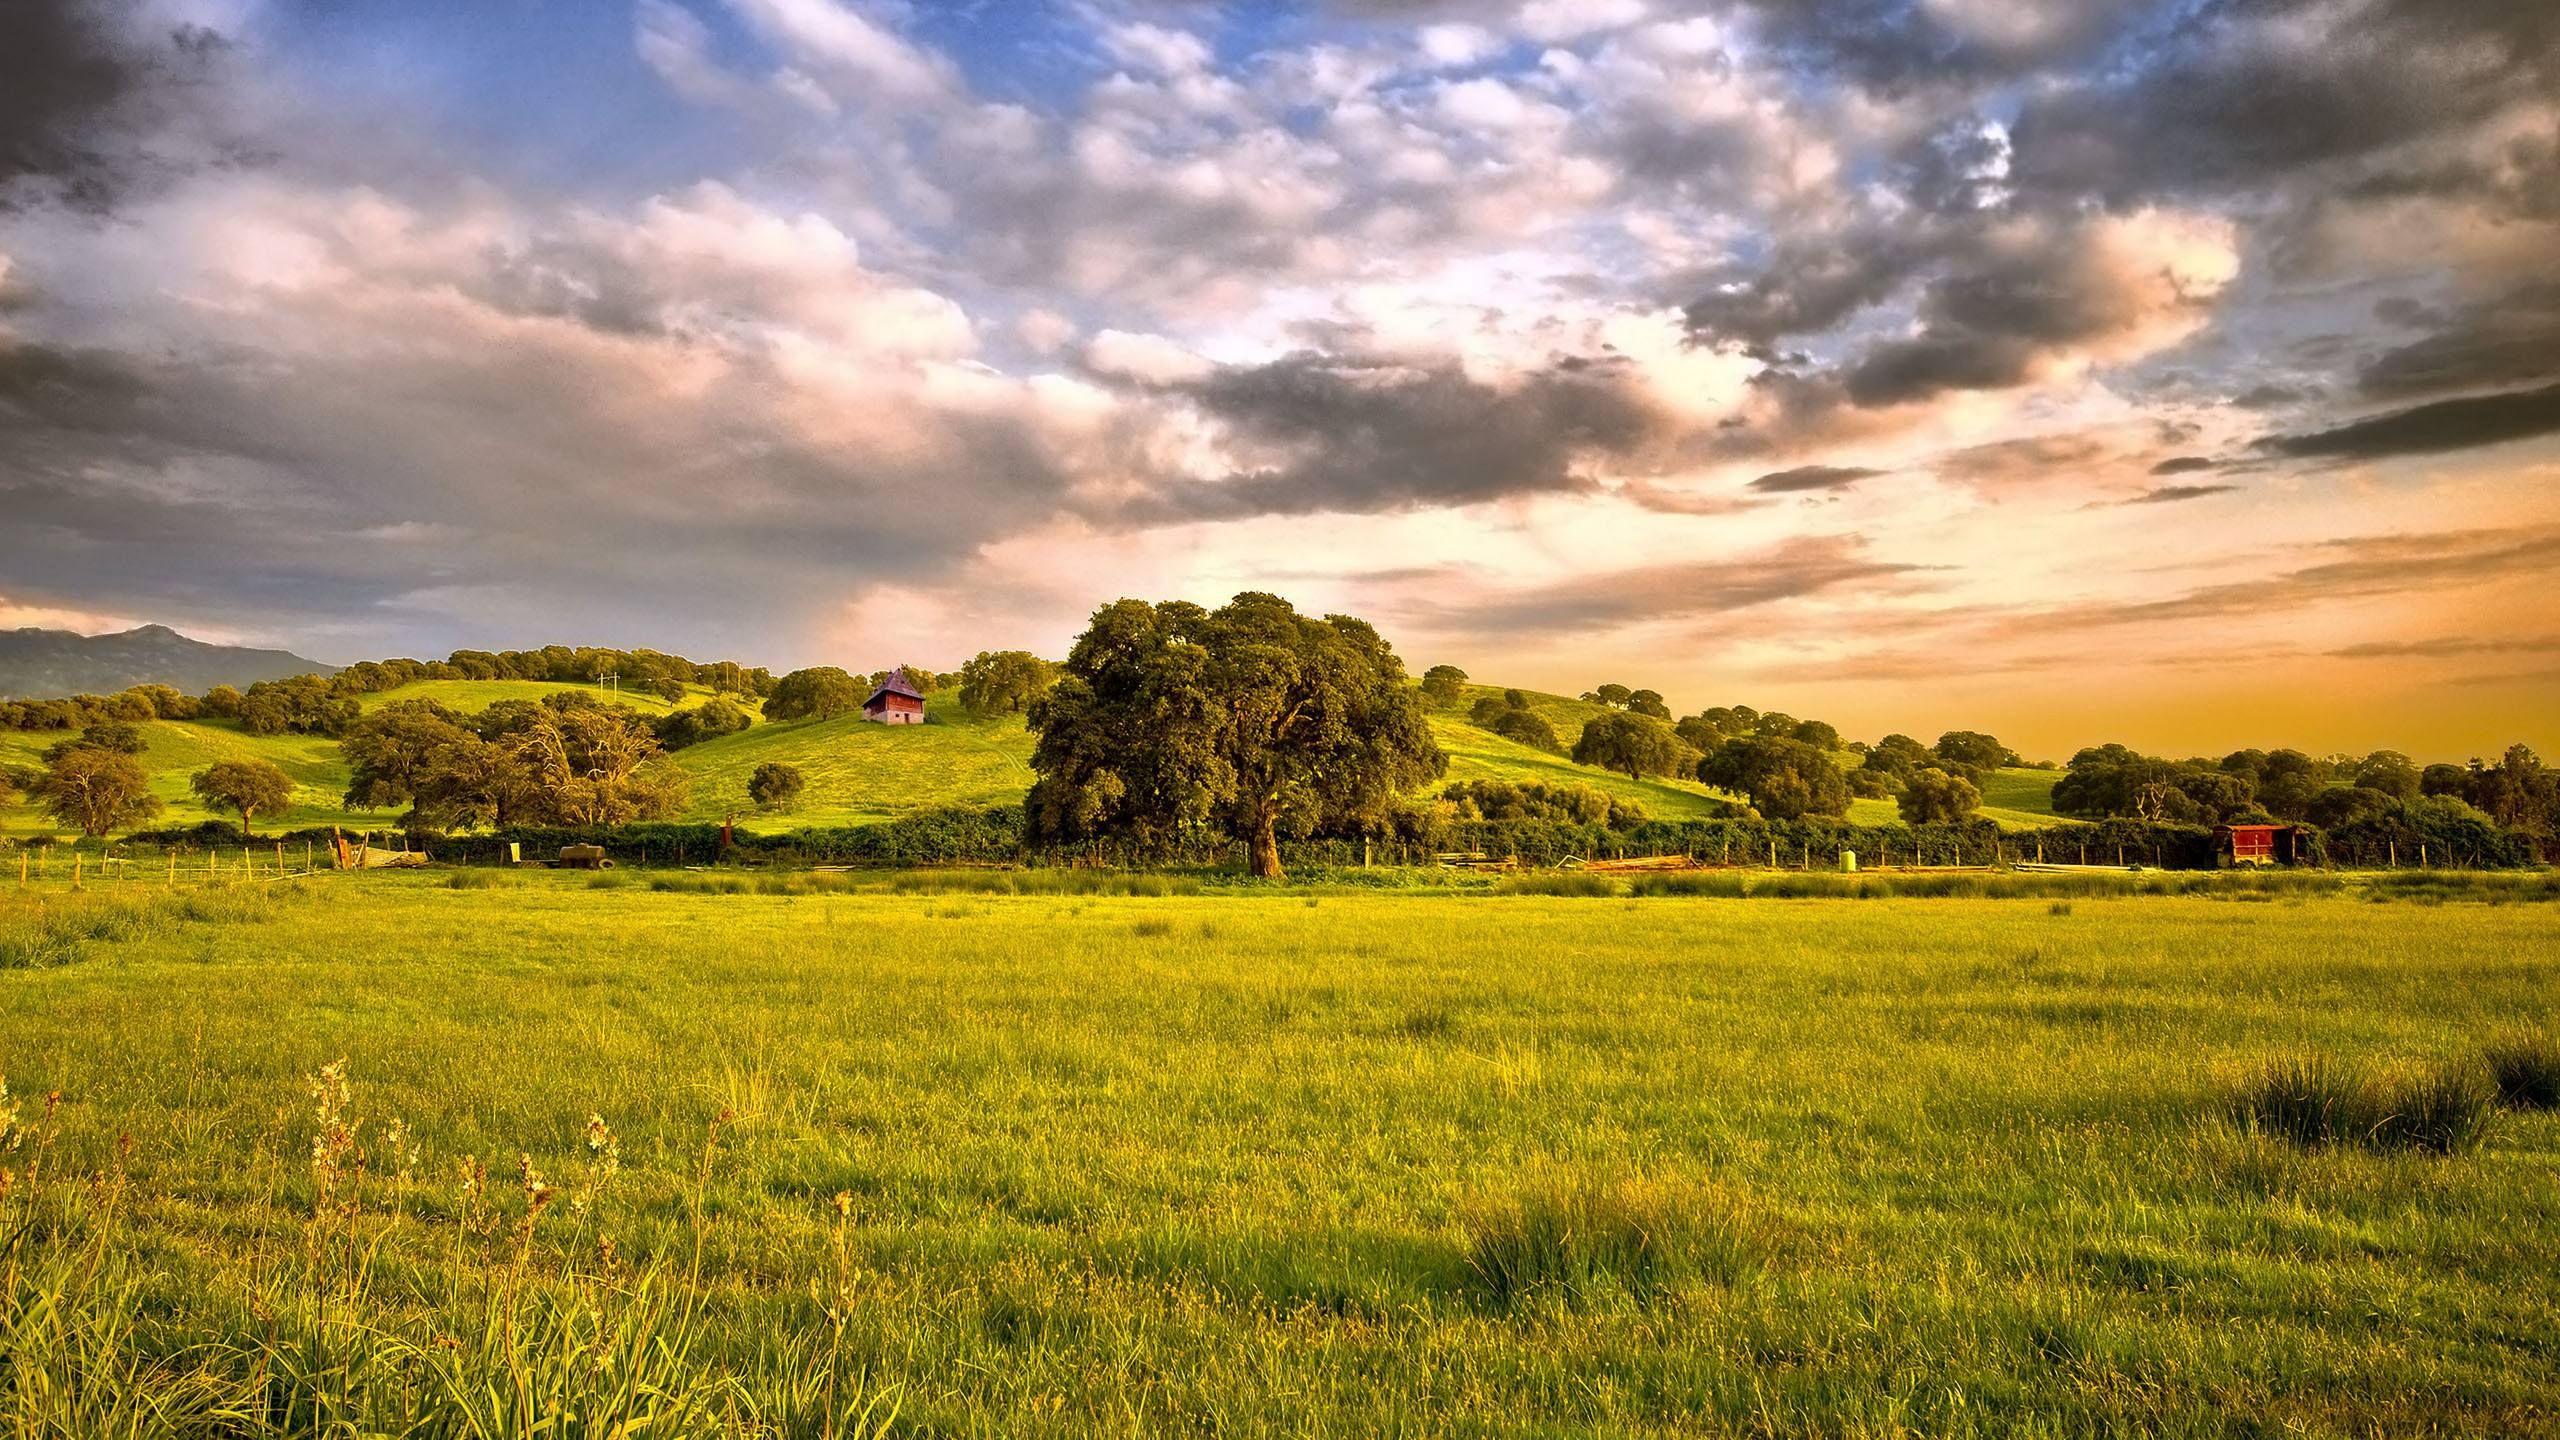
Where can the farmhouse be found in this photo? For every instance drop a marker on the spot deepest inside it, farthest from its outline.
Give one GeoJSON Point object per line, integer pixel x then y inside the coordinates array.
{"type": "Point", "coordinates": [2235, 845]}
{"type": "Point", "coordinates": [896, 702]}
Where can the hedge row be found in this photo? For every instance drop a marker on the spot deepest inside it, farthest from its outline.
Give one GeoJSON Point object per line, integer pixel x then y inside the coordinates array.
{"type": "Point", "coordinates": [959, 836]}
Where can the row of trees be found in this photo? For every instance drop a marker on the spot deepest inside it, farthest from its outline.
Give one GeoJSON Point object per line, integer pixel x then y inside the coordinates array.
{"type": "Point", "coordinates": [327, 705]}
{"type": "Point", "coordinates": [2516, 792]}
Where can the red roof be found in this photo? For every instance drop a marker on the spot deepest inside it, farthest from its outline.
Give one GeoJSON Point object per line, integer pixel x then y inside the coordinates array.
{"type": "Point", "coordinates": [896, 684]}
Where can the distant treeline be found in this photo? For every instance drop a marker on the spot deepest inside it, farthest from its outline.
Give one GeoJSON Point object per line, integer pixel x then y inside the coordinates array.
{"type": "Point", "coordinates": [2431, 831]}
{"type": "Point", "coordinates": [317, 705]}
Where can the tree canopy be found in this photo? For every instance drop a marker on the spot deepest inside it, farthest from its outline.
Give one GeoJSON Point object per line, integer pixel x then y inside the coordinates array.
{"type": "Point", "coordinates": [775, 786]}
{"type": "Point", "coordinates": [820, 692]}
{"type": "Point", "coordinates": [1251, 720]}
{"type": "Point", "coordinates": [98, 790]}
{"type": "Point", "coordinates": [1004, 682]}
{"type": "Point", "coordinates": [1933, 796]}
{"type": "Point", "coordinates": [247, 788]}
{"type": "Point", "coordinates": [1442, 685]}
{"type": "Point", "coordinates": [1784, 779]}
{"type": "Point", "coordinates": [1635, 745]}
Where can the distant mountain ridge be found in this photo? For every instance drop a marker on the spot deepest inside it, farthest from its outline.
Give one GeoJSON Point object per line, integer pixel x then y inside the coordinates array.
{"type": "Point", "coordinates": [49, 664]}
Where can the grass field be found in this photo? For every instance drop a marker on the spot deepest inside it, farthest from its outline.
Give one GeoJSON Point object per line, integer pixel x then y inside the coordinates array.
{"type": "Point", "coordinates": [859, 773]}
{"type": "Point", "coordinates": [1276, 1163]}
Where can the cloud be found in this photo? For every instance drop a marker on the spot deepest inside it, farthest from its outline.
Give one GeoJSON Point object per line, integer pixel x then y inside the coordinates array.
{"type": "Point", "coordinates": [1797, 569]}
{"type": "Point", "coordinates": [2044, 295]}
{"type": "Point", "coordinates": [84, 93]}
{"type": "Point", "coordinates": [1813, 477]}
{"type": "Point", "coordinates": [2509, 340]}
{"type": "Point", "coordinates": [2182, 465]}
{"type": "Point", "coordinates": [2448, 646]}
{"type": "Point", "coordinates": [2434, 428]}
{"type": "Point", "coordinates": [2172, 494]}
{"type": "Point", "coordinates": [1322, 433]}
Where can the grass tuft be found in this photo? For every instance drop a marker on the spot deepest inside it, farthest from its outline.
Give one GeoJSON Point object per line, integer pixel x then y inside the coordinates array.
{"type": "Point", "coordinates": [2314, 1100]}
{"type": "Point", "coordinates": [1580, 1242]}
{"type": "Point", "coordinates": [2525, 1066]}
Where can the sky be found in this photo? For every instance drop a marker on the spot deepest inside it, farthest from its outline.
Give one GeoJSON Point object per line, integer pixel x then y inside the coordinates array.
{"type": "Point", "coordinates": [2181, 374]}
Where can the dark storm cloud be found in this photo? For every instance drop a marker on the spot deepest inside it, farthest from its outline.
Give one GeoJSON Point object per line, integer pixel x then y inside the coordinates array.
{"type": "Point", "coordinates": [2434, 428]}
{"type": "Point", "coordinates": [1808, 284]}
{"type": "Point", "coordinates": [78, 94]}
{"type": "Point", "coordinates": [2511, 340]}
{"type": "Point", "coordinates": [2182, 465]}
{"type": "Point", "coordinates": [2233, 96]}
{"type": "Point", "coordinates": [1358, 435]}
{"type": "Point", "coordinates": [1813, 477]}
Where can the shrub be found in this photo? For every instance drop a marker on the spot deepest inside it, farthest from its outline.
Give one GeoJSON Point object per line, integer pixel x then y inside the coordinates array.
{"type": "Point", "coordinates": [2526, 1068]}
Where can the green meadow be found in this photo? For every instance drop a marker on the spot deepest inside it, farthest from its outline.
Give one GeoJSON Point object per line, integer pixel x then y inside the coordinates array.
{"type": "Point", "coordinates": [859, 773]}
{"type": "Point", "coordinates": [895, 1156]}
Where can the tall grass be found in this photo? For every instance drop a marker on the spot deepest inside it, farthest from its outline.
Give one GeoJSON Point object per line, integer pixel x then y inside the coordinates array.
{"type": "Point", "coordinates": [2525, 1066]}
{"type": "Point", "coordinates": [508, 1318]}
{"type": "Point", "coordinates": [2315, 1100]}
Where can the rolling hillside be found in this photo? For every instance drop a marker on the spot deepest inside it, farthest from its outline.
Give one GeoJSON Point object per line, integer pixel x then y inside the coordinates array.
{"type": "Point", "coordinates": [859, 773]}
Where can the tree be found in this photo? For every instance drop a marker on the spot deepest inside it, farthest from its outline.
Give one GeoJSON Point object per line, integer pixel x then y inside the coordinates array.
{"type": "Point", "coordinates": [1820, 734]}
{"type": "Point", "coordinates": [1252, 719]}
{"type": "Point", "coordinates": [821, 692]}
{"type": "Point", "coordinates": [1527, 727]}
{"type": "Point", "coordinates": [775, 786]}
{"type": "Point", "coordinates": [709, 720]}
{"type": "Point", "coordinates": [389, 751]}
{"type": "Point", "coordinates": [1612, 696]}
{"type": "Point", "coordinates": [1934, 797]}
{"type": "Point", "coordinates": [1975, 751]}
{"type": "Point", "coordinates": [1648, 703]}
{"type": "Point", "coordinates": [1489, 709]}
{"type": "Point", "coordinates": [476, 781]}
{"type": "Point", "coordinates": [1003, 682]}
{"type": "Point", "coordinates": [1635, 744]}
{"type": "Point", "coordinates": [1784, 779]}
{"type": "Point", "coordinates": [599, 765]}
{"type": "Point", "coordinates": [2390, 772]}
{"type": "Point", "coordinates": [2345, 804]}
{"type": "Point", "coordinates": [97, 790]}
{"type": "Point", "coordinates": [1442, 685]}
{"type": "Point", "coordinates": [248, 788]}
{"type": "Point", "coordinates": [116, 735]}
{"type": "Point", "coordinates": [222, 702]}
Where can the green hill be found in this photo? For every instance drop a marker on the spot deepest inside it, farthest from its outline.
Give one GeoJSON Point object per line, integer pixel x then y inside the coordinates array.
{"type": "Point", "coordinates": [858, 773]}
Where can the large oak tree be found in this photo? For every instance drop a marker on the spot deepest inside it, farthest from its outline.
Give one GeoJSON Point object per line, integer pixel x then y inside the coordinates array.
{"type": "Point", "coordinates": [1251, 719]}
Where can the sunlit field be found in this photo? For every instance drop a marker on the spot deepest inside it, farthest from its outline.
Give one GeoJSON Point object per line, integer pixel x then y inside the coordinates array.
{"type": "Point", "coordinates": [918, 1160]}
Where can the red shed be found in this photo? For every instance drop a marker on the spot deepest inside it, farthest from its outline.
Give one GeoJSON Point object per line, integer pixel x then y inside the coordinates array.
{"type": "Point", "coordinates": [2235, 845]}
{"type": "Point", "coordinates": [896, 702]}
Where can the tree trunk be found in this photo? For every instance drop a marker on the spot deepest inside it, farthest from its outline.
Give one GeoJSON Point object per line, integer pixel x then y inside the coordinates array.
{"type": "Point", "coordinates": [1262, 850]}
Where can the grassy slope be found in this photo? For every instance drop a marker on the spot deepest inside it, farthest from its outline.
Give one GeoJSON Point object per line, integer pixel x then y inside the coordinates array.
{"type": "Point", "coordinates": [1207, 1166]}
{"type": "Point", "coordinates": [470, 695]}
{"type": "Point", "coordinates": [859, 772]}
{"type": "Point", "coordinates": [178, 749]}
